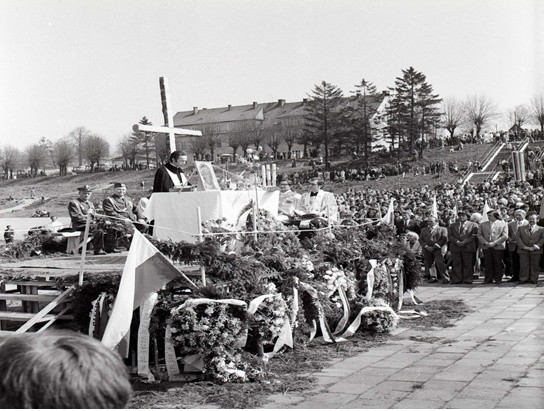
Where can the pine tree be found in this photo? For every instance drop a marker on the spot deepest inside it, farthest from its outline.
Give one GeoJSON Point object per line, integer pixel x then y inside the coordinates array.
{"type": "Point", "coordinates": [323, 117]}
{"type": "Point", "coordinates": [365, 98]}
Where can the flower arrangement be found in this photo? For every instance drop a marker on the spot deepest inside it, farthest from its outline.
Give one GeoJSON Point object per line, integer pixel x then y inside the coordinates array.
{"type": "Point", "coordinates": [270, 318]}
{"type": "Point", "coordinates": [379, 321]}
{"type": "Point", "coordinates": [224, 232]}
{"type": "Point", "coordinates": [214, 330]}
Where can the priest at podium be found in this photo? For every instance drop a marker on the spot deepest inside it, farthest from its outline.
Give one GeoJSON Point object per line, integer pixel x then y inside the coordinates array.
{"type": "Point", "coordinates": [170, 176]}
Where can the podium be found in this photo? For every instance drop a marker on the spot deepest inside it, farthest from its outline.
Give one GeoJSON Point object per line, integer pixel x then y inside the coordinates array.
{"type": "Point", "coordinates": [175, 214]}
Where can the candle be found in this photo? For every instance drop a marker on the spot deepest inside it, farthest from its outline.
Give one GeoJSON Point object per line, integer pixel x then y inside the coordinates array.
{"type": "Point", "coordinates": [268, 175]}
{"type": "Point", "coordinates": [273, 175]}
{"type": "Point", "coordinates": [263, 172]}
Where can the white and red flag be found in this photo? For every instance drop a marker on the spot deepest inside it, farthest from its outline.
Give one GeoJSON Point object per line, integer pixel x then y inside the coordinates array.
{"type": "Point", "coordinates": [146, 271]}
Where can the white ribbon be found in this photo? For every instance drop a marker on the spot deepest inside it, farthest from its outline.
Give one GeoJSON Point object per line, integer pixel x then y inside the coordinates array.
{"type": "Point", "coordinates": [143, 337]}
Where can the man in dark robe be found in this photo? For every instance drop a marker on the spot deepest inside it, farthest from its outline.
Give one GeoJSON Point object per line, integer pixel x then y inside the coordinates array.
{"type": "Point", "coordinates": [170, 175]}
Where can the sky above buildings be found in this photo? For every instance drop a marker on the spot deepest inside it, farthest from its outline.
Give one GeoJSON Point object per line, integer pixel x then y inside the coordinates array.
{"type": "Point", "coordinates": [97, 63]}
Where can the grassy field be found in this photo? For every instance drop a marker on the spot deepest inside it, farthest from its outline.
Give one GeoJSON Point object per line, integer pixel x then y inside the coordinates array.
{"type": "Point", "coordinates": [58, 191]}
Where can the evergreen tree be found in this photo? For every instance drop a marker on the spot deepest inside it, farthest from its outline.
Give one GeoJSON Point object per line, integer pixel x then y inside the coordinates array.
{"type": "Point", "coordinates": [363, 107]}
{"type": "Point", "coordinates": [323, 116]}
{"type": "Point", "coordinates": [412, 108]}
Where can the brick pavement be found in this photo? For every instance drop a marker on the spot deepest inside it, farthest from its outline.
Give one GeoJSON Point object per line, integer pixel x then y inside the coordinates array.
{"type": "Point", "coordinates": [491, 358]}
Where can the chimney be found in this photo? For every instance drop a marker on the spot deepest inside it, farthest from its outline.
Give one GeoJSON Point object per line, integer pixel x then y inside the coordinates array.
{"type": "Point", "coordinates": [304, 101]}
{"type": "Point", "coordinates": [195, 110]}
{"type": "Point", "coordinates": [281, 102]}
{"type": "Point", "coordinates": [254, 104]}
{"type": "Point", "coordinates": [229, 107]}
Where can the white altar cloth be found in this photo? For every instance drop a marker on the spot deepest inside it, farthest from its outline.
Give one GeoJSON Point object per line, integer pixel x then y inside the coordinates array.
{"type": "Point", "coordinates": [175, 214]}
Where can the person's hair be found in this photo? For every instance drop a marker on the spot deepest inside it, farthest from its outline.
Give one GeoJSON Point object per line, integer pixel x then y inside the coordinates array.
{"type": "Point", "coordinates": [61, 369]}
{"type": "Point", "coordinates": [175, 155]}
{"type": "Point", "coordinates": [520, 211]}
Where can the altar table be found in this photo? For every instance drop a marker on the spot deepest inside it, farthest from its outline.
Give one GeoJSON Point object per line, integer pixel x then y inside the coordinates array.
{"type": "Point", "coordinates": [175, 214]}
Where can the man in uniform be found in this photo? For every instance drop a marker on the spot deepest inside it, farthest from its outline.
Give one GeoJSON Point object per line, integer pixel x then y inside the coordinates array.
{"type": "Point", "coordinates": [78, 210]}
{"type": "Point", "coordinates": [127, 216]}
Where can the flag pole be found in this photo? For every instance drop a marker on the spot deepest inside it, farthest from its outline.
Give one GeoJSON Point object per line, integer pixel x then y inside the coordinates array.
{"type": "Point", "coordinates": [84, 248]}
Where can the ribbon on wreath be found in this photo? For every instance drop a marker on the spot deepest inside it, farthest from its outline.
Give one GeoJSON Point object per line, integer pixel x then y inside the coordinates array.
{"type": "Point", "coordinates": [347, 312]}
{"type": "Point", "coordinates": [370, 278]}
{"type": "Point", "coordinates": [357, 322]}
{"type": "Point", "coordinates": [99, 315]}
{"type": "Point", "coordinates": [325, 331]}
{"type": "Point", "coordinates": [285, 336]}
{"type": "Point", "coordinates": [143, 337]}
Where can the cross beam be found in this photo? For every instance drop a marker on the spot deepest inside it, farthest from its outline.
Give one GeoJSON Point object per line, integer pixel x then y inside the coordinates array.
{"type": "Point", "coordinates": [168, 120]}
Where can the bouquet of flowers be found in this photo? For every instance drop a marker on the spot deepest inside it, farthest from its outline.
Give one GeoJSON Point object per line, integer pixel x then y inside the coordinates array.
{"type": "Point", "coordinates": [214, 330]}
{"type": "Point", "coordinates": [380, 321]}
{"type": "Point", "coordinates": [270, 318]}
{"type": "Point", "coordinates": [225, 233]}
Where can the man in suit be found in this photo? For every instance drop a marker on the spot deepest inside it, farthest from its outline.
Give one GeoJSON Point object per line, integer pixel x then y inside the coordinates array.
{"type": "Point", "coordinates": [530, 241]}
{"type": "Point", "coordinates": [492, 235]}
{"type": "Point", "coordinates": [318, 201]}
{"type": "Point", "coordinates": [432, 239]}
{"type": "Point", "coordinates": [407, 223]}
{"type": "Point", "coordinates": [512, 244]}
{"type": "Point", "coordinates": [462, 246]}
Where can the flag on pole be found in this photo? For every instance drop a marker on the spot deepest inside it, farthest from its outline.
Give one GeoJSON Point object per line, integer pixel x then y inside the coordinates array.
{"type": "Point", "coordinates": [455, 211]}
{"type": "Point", "coordinates": [389, 217]}
{"type": "Point", "coordinates": [484, 213]}
{"type": "Point", "coordinates": [146, 271]}
{"type": "Point", "coordinates": [434, 209]}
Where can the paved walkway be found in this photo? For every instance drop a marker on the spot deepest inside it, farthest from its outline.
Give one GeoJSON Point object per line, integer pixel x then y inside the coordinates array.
{"type": "Point", "coordinates": [491, 358]}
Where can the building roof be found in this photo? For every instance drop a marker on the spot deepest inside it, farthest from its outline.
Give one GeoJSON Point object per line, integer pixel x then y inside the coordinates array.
{"type": "Point", "coordinates": [269, 113]}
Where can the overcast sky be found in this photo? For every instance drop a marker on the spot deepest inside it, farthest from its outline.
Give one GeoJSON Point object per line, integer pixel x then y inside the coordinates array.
{"type": "Point", "coordinates": [97, 64]}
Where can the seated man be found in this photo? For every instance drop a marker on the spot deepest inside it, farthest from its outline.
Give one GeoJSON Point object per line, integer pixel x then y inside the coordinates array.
{"type": "Point", "coordinates": [288, 201]}
{"type": "Point", "coordinates": [318, 202]}
{"type": "Point", "coordinates": [127, 216]}
{"type": "Point", "coordinates": [61, 369]}
{"type": "Point", "coordinates": [78, 210]}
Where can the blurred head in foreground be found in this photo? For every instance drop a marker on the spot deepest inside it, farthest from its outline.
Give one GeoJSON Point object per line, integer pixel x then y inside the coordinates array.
{"type": "Point", "coordinates": [61, 369]}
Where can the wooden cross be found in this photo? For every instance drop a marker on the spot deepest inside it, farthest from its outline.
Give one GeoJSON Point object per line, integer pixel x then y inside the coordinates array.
{"type": "Point", "coordinates": [168, 120]}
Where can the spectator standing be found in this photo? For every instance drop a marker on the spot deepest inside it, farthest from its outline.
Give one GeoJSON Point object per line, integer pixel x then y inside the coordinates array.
{"type": "Point", "coordinates": [492, 235]}
{"type": "Point", "coordinates": [432, 239]}
{"type": "Point", "coordinates": [512, 244]}
{"type": "Point", "coordinates": [462, 246]}
{"type": "Point", "coordinates": [9, 235]}
{"type": "Point", "coordinates": [530, 241]}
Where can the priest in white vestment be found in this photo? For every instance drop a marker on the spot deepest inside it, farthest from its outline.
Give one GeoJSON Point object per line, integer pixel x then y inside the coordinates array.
{"type": "Point", "coordinates": [319, 202]}
{"type": "Point", "coordinates": [170, 175]}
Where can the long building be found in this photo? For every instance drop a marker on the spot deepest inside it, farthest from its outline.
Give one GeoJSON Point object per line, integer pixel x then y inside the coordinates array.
{"type": "Point", "coordinates": [280, 122]}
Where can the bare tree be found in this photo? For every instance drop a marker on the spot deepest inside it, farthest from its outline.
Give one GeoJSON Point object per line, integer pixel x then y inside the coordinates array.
{"type": "Point", "coordinates": [479, 111]}
{"type": "Point", "coordinates": [63, 154]}
{"type": "Point", "coordinates": [537, 111]}
{"type": "Point", "coordinates": [242, 136]}
{"type": "Point", "coordinates": [36, 157]}
{"type": "Point", "coordinates": [9, 160]}
{"type": "Point", "coordinates": [198, 146]}
{"type": "Point", "coordinates": [519, 116]}
{"type": "Point", "coordinates": [78, 135]}
{"type": "Point", "coordinates": [452, 116]}
{"type": "Point", "coordinates": [291, 135]}
{"type": "Point", "coordinates": [274, 138]}
{"type": "Point", "coordinates": [210, 137]}
{"type": "Point", "coordinates": [96, 148]}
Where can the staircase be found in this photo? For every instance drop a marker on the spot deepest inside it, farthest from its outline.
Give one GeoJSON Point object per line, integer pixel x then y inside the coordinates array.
{"type": "Point", "coordinates": [32, 305]}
